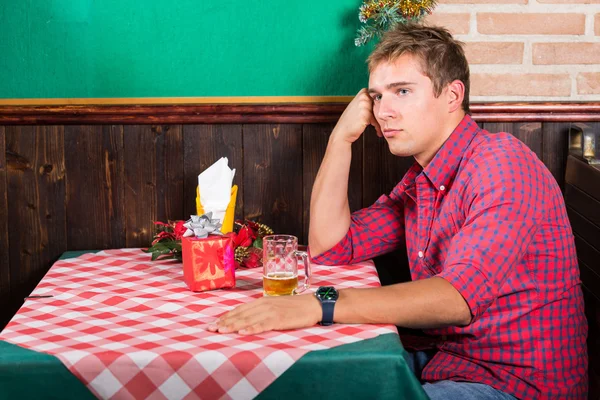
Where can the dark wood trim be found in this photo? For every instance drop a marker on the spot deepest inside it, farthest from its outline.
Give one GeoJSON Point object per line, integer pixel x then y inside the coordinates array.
{"type": "Point", "coordinates": [269, 113]}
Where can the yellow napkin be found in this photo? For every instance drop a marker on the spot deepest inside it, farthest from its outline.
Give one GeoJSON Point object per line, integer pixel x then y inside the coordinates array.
{"type": "Point", "coordinates": [229, 212]}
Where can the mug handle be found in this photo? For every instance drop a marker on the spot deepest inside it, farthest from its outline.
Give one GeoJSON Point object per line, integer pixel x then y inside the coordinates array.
{"type": "Point", "coordinates": [306, 263]}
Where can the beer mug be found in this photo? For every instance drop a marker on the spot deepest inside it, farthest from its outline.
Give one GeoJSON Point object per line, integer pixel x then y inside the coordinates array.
{"type": "Point", "coordinates": [280, 266]}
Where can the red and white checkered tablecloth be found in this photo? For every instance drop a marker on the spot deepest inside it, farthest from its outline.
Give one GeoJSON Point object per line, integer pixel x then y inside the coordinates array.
{"type": "Point", "coordinates": [129, 328]}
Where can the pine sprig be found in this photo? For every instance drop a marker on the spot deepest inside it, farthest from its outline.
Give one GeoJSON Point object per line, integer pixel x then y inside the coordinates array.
{"type": "Point", "coordinates": [379, 16]}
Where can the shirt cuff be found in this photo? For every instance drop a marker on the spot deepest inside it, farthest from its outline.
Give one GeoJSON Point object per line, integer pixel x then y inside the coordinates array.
{"type": "Point", "coordinates": [473, 287]}
{"type": "Point", "coordinates": [340, 254]}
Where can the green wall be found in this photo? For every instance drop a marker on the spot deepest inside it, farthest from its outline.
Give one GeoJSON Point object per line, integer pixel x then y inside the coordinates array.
{"type": "Point", "coordinates": [165, 48]}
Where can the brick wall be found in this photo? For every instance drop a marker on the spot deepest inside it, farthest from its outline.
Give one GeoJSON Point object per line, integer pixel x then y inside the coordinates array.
{"type": "Point", "coordinates": [527, 50]}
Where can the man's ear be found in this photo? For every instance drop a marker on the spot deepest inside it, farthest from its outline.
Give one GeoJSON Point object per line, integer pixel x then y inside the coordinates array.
{"type": "Point", "coordinates": [455, 94]}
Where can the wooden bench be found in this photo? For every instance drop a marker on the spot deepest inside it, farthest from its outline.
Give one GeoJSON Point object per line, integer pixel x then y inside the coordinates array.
{"type": "Point", "coordinates": [582, 196]}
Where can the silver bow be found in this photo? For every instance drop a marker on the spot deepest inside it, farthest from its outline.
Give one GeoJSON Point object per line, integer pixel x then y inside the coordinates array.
{"type": "Point", "coordinates": [202, 225]}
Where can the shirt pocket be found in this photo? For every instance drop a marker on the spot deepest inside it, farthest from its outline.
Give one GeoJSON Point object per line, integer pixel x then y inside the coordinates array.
{"type": "Point", "coordinates": [443, 230]}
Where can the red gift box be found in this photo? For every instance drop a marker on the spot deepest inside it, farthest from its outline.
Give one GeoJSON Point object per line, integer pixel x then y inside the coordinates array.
{"type": "Point", "coordinates": [208, 263]}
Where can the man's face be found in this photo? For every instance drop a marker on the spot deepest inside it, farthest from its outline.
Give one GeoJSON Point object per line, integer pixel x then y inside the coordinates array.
{"type": "Point", "coordinates": [413, 121]}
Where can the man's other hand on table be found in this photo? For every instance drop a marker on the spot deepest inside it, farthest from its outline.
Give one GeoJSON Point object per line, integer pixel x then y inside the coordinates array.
{"type": "Point", "coordinates": [270, 313]}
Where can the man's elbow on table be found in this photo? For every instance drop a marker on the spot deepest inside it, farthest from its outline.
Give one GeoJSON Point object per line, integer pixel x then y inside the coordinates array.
{"type": "Point", "coordinates": [319, 244]}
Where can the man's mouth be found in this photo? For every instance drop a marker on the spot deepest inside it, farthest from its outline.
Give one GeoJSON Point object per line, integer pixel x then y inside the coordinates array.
{"type": "Point", "coordinates": [388, 133]}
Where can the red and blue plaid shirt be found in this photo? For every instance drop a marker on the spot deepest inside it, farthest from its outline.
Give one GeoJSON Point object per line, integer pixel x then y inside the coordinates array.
{"type": "Point", "coordinates": [487, 216]}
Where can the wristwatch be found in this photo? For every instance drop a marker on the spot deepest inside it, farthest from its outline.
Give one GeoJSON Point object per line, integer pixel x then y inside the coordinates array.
{"type": "Point", "coordinates": [327, 295]}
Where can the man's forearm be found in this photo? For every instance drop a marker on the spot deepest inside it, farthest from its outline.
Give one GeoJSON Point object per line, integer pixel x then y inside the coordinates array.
{"type": "Point", "coordinates": [427, 303]}
{"type": "Point", "coordinates": [329, 209]}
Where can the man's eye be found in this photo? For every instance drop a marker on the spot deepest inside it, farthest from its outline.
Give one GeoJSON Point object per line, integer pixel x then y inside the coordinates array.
{"type": "Point", "coordinates": [403, 91]}
{"type": "Point", "coordinates": [376, 97]}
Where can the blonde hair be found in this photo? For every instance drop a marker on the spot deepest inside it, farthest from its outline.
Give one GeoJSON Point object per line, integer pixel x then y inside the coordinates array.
{"type": "Point", "coordinates": [442, 57]}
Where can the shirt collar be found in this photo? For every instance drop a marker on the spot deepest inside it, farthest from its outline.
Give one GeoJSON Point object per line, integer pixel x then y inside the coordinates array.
{"type": "Point", "coordinates": [442, 168]}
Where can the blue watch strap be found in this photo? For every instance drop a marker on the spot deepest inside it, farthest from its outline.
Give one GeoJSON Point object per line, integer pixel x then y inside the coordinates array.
{"type": "Point", "coordinates": [327, 306]}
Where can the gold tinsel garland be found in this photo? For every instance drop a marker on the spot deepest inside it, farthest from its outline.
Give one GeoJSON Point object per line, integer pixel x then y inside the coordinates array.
{"type": "Point", "coordinates": [408, 8]}
{"type": "Point", "coordinates": [380, 15]}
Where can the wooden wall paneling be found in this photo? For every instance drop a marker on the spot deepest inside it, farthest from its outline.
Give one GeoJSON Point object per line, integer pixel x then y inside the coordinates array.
{"type": "Point", "coordinates": [203, 145]}
{"type": "Point", "coordinates": [36, 203]}
{"type": "Point", "coordinates": [585, 205]}
{"type": "Point", "coordinates": [314, 144]}
{"type": "Point", "coordinates": [170, 173]}
{"type": "Point", "coordinates": [588, 256]}
{"type": "Point", "coordinates": [95, 187]}
{"type": "Point", "coordinates": [381, 169]}
{"type": "Point", "coordinates": [530, 133]}
{"type": "Point", "coordinates": [273, 176]}
{"type": "Point", "coordinates": [555, 149]}
{"type": "Point", "coordinates": [4, 258]}
{"type": "Point", "coordinates": [590, 279]}
{"type": "Point", "coordinates": [585, 230]}
{"type": "Point", "coordinates": [579, 174]}
{"type": "Point", "coordinates": [495, 127]}
{"type": "Point", "coordinates": [315, 139]}
{"type": "Point", "coordinates": [152, 176]}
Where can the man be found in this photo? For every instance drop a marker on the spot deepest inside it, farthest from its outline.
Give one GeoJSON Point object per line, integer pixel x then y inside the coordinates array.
{"type": "Point", "coordinates": [491, 252]}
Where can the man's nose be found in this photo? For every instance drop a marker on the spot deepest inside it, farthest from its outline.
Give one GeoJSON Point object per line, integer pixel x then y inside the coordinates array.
{"type": "Point", "coordinates": [386, 108]}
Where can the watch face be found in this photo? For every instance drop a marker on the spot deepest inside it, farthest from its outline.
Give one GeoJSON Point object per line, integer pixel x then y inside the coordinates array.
{"type": "Point", "coordinates": [327, 293]}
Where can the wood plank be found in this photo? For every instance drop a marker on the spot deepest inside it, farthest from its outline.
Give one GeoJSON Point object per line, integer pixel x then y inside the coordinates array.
{"type": "Point", "coordinates": [587, 254]}
{"type": "Point", "coordinates": [585, 205]}
{"type": "Point", "coordinates": [584, 229]}
{"type": "Point", "coordinates": [4, 258]}
{"type": "Point", "coordinates": [36, 203]}
{"type": "Point", "coordinates": [203, 145]}
{"type": "Point", "coordinates": [95, 187]}
{"type": "Point", "coordinates": [555, 148]}
{"type": "Point", "coordinates": [169, 189]}
{"type": "Point", "coordinates": [153, 179]}
{"type": "Point", "coordinates": [590, 279]}
{"type": "Point", "coordinates": [583, 176]}
{"type": "Point", "coordinates": [381, 169]}
{"type": "Point", "coordinates": [530, 133]}
{"type": "Point", "coordinates": [273, 176]}
{"type": "Point", "coordinates": [315, 139]}
{"type": "Point", "coordinates": [495, 127]}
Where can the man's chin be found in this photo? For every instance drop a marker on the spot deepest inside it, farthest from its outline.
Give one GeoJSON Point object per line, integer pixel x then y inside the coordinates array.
{"type": "Point", "coordinates": [400, 151]}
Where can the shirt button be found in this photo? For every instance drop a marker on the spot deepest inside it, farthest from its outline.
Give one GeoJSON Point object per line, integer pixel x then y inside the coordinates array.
{"type": "Point", "coordinates": [420, 254]}
{"type": "Point", "coordinates": [442, 188]}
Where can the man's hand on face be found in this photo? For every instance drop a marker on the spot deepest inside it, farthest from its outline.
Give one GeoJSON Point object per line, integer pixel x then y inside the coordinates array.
{"type": "Point", "coordinates": [270, 313]}
{"type": "Point", "coordinates": [356, 117]}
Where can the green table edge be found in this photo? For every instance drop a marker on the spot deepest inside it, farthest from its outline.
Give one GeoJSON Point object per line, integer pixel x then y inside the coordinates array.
{"type": "Point", "coordinates": [41, 375]}
{"type": "Point", "coordinates": [350, 379]}
{"type": "Point", "coordinates": [75, 253]}
{"type": "Point", "coordinates": [28, 374]}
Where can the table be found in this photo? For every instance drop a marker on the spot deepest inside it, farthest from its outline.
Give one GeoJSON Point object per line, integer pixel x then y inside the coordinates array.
{"type": "Point", "coordinates": [120, 326]}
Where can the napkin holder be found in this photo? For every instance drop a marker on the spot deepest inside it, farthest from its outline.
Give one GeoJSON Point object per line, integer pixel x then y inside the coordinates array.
{"type": "Point", "coordinates": [208, 263]}
{"type": "Point", "coordinates": [229, 213]}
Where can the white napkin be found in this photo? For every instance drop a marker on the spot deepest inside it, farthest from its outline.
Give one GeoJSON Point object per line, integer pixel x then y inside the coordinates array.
{"type": "Point", "coordinates": [215, 188]}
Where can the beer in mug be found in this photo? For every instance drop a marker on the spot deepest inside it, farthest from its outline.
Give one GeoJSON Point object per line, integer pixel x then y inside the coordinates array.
{"type": "Point", "coordinates": [280, 266]}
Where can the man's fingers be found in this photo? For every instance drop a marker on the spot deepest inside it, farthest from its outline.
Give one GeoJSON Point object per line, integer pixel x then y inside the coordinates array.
{"type": "Point", "coordinates": [255, 329]}
{"type": "Point", "coordinates": [229, 318]}
{"type": "Point", "coordinates": [244, 323]}
{"type": "Point", "coordinates": [239, 323]}
{"type": "Point", "coordinates": [238, 318]}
